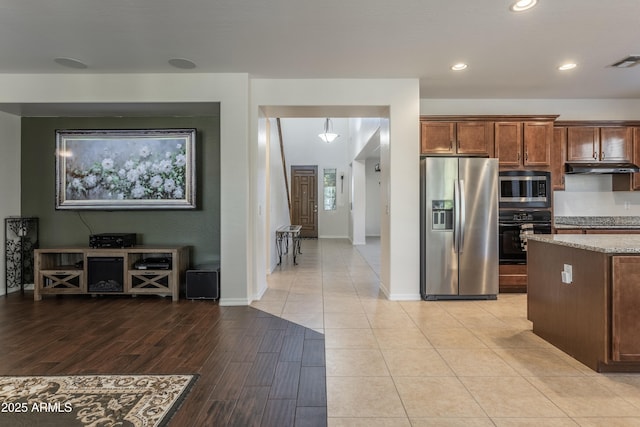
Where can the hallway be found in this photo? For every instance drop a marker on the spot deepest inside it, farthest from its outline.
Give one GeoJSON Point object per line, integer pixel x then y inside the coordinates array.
{"type": "Point", "coordinates": [445, 363]}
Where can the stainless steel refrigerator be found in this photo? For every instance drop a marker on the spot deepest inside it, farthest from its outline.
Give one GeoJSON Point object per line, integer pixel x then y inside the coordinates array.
{"type": "Point", "coordinates": [459, 228]}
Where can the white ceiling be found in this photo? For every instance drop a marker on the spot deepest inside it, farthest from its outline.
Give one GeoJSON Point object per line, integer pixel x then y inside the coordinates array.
{"type": "Point", "coordinates": [509, 55]}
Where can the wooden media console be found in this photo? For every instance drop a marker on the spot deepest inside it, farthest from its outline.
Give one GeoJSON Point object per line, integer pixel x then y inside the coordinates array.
{"type": "Point", "coordinates": [119, 271]}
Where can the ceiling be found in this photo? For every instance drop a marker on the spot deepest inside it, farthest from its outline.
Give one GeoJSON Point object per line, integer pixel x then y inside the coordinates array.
{"type": "Point", "coordinates": [509, 55]}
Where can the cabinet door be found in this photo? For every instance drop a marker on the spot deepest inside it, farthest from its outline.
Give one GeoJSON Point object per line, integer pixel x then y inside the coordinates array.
{"type": "Point", "coordinates": [508, 143]}
{"type": "Point", "coordinates": [635, 183]}
{"type": "Point", "coordinates": [474, 138]}
{"type": "Point", "coordinates": [437, 137]}
{"type": "Point", "coordinates": [582, 144]}
{"type": "Point", "coordinates": [558, 157]}
{"type": "Point", "coordinates": [616, 144]}
{"type": "Point", "coordinates": [625, 299]}
{"type": "Point", "coordinates": [537, 139]}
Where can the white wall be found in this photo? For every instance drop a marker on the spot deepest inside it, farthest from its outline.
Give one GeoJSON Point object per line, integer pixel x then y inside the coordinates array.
{"type": "Point", "coordinates": [372, 221]}
{"type": "Point", "coordinates": [584, 195]}
{"type": "Point", "coordinates": [9, 174]}
{"type": "Point", "coordinates": [230, 90]}
{"type": "Point", "coordinates": [358, 202]}
{"type": "Point", "coordinates": [398, 97]}
{"type": "Point", "coordinates": [303, 147]}
{"type": "Point", "coordinates": [363, 130]}
{"type": "Point", "coordinates": [591, 195]}
{"type": "Point", "coordinates": [568, 109]}
{"type": "Point", "coordinates": [276, 199]}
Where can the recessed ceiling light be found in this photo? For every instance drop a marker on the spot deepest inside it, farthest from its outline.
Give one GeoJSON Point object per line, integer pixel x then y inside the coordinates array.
{"type": "Point", "coordinates": [522, 5]}
{"type": "Point", "coordinates": [568, 66]}
{"type": "Point", "coordinates": [183, 64]}
{"type": "Point", "coordinates": [459, 66]}
{"type": "Point", "coordinates": [70, 63]}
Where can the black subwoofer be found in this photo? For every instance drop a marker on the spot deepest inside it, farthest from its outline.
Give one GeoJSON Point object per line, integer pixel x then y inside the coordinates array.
{"type": "Point", "coordinates": [203, 283]}
{"type": "Point", "coordinates": [105, 274]}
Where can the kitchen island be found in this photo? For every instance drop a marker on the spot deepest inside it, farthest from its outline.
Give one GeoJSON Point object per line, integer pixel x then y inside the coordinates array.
{"type": "Point", "coordinates": [584, 295]}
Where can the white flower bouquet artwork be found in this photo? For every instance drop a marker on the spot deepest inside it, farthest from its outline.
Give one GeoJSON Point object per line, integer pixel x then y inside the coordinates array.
{"type": "Point", "coordinates": [125, 169]}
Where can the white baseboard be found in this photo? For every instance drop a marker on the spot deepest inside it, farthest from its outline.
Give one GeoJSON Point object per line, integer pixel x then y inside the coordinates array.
{"type": "Point", "coordinates": [233, 302]}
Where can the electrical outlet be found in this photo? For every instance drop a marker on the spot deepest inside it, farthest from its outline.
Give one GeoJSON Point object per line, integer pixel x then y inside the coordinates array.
{"type": "Point", "coordinates": [567, 273]}
{"type": "Point", "coordinates": [569, 269]}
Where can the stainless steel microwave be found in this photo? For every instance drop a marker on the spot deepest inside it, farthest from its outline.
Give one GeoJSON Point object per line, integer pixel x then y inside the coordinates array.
{"type": "Point", "coordinates": [525, 189]}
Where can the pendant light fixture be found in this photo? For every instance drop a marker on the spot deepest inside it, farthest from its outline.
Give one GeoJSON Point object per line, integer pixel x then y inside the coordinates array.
{"type": "Point", "coordinates": [328, 135]}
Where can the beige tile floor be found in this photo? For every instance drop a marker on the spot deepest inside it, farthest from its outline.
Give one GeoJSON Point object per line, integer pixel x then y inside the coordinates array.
{"type": "Point", "coordinates": [444, 363]}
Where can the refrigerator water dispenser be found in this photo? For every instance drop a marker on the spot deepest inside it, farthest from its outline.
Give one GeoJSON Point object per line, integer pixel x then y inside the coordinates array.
{"type": "Point", "coordinates": [442, 215]}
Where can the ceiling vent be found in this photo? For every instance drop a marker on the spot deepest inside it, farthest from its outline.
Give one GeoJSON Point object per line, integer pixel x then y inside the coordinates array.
{"type": "Point", "coordinates": [627, 62]}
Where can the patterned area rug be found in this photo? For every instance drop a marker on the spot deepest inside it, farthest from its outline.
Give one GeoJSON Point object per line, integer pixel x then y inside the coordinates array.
{"type": "Point", "coordinates": [92, 400]}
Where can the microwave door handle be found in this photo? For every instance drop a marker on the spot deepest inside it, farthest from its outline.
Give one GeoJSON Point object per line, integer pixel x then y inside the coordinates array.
{"type": "Point", "coordinates": [463, 209]}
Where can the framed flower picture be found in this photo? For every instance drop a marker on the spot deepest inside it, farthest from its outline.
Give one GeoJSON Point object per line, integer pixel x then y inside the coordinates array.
{"type": "Point", "coordinates": [125, 169]}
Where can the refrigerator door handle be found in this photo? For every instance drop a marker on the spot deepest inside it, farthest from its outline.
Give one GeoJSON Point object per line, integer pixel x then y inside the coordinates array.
{"type": "Point", "coordinates": [462, 214]}
{"type": "Point", "coordinates": [456, 215]}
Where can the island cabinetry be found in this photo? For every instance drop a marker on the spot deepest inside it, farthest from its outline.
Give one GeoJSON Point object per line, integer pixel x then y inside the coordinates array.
{"type": "Point", "coordinates": [583, 297]}
{"type": "Point", "coordinates": [625, 303]}
{"type": "Point", "coordinates": [599, 144]}
{"type": "Point", "coordinates": [573, 317]}
{"type": "Point", "coordinates": [471, 138]}
{"type": "Point", "coordinates": [129, 271]}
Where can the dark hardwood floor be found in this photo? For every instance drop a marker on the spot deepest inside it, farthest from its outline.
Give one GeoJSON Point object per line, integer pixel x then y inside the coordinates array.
{"type": "Point", "coordinates": [255, 369]}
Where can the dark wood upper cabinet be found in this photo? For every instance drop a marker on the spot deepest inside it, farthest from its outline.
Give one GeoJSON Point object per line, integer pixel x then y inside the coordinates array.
{"type": "Point", "coordinates": [599, 144]}
{"type": "Point", "coordinates": [623, 182]}
{"type": "Point", "coordinates": [437, 137]}
{"type": "Point", "coordinates": [582, 144]}
{"type": "Point", "coordinates": [508, 143]}
{"type": "Point", "coordinates": [523, 144]}
{"type": "Point", "coordinates": [472, 138]}
{"type": "Point", "coordinates": [558, 157]}
{"type": "Point", "coordinates": [636, 158]}
{"type": "Point", "coordinates": [616, 144]}
{"type": "Point", "coordinates": [537, 144]}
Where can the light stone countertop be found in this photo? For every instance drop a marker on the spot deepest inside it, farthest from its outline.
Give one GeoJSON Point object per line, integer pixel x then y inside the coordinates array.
{"type": "Point", "coordinates": [607, 243]}
{"type": "Point", "coordinates": [596, 222]}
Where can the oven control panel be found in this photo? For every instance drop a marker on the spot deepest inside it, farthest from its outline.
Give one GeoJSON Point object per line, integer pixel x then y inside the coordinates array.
{"type": "Point", "coordinates": [525, 216]}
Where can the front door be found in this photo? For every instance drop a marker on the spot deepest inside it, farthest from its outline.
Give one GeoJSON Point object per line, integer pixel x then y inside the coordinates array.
{"type": "Point", "coordinates": [304, 199]}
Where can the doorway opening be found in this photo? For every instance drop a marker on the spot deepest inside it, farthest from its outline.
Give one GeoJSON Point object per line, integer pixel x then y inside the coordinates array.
{"type": "Point", "coordinates": [339, 207]}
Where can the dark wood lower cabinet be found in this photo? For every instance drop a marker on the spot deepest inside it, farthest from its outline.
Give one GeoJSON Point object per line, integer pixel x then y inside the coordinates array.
{"type": "Point", "coordinates": [513, 278]}
{"type": "Point", "coordinates": [625, 327]}
{"type": "Point", "coordinates": [595, 318]}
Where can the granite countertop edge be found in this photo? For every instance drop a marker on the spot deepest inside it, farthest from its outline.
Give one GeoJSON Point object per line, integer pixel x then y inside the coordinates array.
{"type": "Point", "coordinates": [614, 244]}
{"type": "Point", "coordinates": [595, 222]}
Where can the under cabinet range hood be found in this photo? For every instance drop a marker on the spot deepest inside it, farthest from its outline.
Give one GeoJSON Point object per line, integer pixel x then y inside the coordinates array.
{"type": "Point", "coordinates": [601, 168]}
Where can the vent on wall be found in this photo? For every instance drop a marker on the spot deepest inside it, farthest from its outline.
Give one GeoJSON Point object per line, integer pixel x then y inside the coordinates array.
{"type": "Point", "coordinates": [627, 62]}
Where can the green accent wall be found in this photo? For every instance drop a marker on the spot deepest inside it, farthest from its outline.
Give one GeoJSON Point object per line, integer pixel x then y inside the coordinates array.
{"type": "Point", "coordinates": [199, 228]}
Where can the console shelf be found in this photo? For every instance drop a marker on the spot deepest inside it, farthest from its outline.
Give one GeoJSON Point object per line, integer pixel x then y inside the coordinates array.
{"type": "Point", "coordinates": [67, 271]}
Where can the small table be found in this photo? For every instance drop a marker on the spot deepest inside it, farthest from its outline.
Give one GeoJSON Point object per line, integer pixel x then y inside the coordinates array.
{"type": "Point", "coordinates": [282, 239]}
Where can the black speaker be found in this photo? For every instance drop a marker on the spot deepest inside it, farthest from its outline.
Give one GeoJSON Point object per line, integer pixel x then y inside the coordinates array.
{"type": "Point", "coordinates": [203, 283]}
{"type": "Point", "coordinates": [105, 274]}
